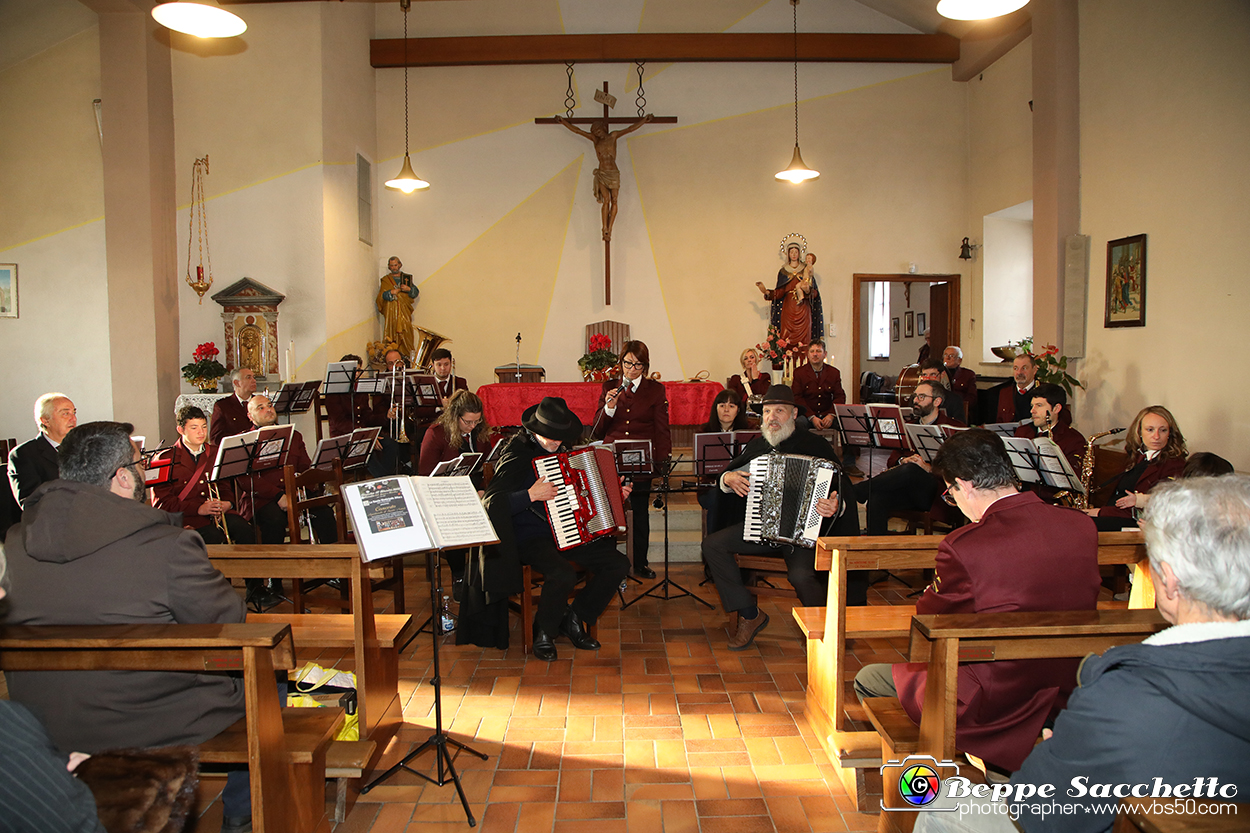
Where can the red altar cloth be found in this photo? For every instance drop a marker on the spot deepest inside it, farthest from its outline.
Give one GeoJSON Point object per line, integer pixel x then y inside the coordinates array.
{"type": "Point", "coordinates": [689, 403]}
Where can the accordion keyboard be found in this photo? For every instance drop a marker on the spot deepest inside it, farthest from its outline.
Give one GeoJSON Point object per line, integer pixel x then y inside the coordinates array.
{"type": "Point", "coordinates": [564, 507]}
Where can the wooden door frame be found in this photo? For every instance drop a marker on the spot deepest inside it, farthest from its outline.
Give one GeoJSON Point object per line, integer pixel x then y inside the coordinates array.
{"type": "Point", "coordinates": [953, 313]}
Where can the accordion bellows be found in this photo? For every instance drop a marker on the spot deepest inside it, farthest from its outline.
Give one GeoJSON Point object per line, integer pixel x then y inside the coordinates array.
{"type": "Point", "coordinates": [781, 504]}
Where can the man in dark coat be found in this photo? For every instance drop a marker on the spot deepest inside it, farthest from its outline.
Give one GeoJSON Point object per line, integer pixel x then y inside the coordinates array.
{"type": "Point", "coordinates": [1017, 554]}
{"type": "Point", "coordinates": [230, 412]}
{"type": "Point", "coordinates": [34, 461]}
{"type": "Point", "coordinates": [89, 551]}
{"type": "Point", "coordinates": [514, 502]}
{"type": "Point", "coordinates": [1014, 399]}
{"type": "Point", "coordinates": [780, 434]}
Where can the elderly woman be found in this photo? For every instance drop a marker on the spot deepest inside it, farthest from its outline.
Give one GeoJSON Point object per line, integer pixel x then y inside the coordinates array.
{"type": "Point", "coordinates": [1156, 452]}
{"type": "Point", "coordinates": [751, 377]}
{"type": "Point", "coordinates": [727, 414]}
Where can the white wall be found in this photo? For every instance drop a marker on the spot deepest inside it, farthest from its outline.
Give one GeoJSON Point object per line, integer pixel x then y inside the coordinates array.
{"type": "Point", "coordinates": [1007, 281]}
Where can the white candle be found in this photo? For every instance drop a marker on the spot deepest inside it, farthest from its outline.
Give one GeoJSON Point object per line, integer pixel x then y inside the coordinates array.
{"type": "Point", "coordinates": [289, 376]}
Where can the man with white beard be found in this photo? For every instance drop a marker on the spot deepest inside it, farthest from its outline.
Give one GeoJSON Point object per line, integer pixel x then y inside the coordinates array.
{"type": "Point", "coordinates": [779, 434]}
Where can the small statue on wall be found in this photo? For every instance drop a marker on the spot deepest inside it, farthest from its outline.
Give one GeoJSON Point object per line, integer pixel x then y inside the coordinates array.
{"type": "Point", "coordinates": [396, 298]}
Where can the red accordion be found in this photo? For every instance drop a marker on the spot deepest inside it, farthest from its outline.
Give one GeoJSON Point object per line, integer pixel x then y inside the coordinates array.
{"type": "Point", "coordinates": [588, 503]}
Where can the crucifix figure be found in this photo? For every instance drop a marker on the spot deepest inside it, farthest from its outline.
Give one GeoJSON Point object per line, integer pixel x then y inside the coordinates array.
{"type": "Point", "coordinates": [607, 177]}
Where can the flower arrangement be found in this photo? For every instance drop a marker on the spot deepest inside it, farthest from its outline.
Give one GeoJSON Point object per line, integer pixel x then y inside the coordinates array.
{"type": "Point", "coordinates": [774, 347]}
{"type": "Point", "coordinates": [375, 353]}
{"type": "Point", "coordinates": [204, 369]}
{"type": "Point", "coordinates": [1052, 368]}
{"type": "Point", "coordinates": [599, 362]}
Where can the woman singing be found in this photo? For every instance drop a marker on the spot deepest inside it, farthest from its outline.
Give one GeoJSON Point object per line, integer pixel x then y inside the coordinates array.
{"type": "Point", "coordinates": [1156, 452]}
{"type": "Point", "coordinates": [634, 407]}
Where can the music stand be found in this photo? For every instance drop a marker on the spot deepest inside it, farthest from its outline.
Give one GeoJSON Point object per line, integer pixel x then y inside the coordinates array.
{"type": "Point", "coordinates": [463, 465]}
{"type": "Point", "coordinates": [340, 378]}
{"type": "Point", "coordinates": [296, 398]}
{"type": "Point", "coordinates": [666, 582]}
{"type": "Point", "coordinates": [712, 452]}
{"type": "Point", "coordinates": [439, 740]}
{"type": "Point", "coordinates": [1023, 455]}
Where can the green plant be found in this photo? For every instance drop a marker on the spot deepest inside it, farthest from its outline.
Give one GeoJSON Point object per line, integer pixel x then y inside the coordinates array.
{"type": "Point", "coordinates": [204, 364]}
{"type": "Point", "coordinates": [1052, 368]}
{"type": "Point", "coordinates": [599, 356]}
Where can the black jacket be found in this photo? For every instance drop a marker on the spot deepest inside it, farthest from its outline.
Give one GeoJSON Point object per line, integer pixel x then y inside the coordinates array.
{"type": "Point", "coordinates": [30, 464]}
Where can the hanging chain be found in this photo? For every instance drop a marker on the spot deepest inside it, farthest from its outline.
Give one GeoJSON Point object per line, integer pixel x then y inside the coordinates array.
{"type": "Point", "coordinates": [404, 4]}
{"type": "Point", "coordinates": [570, 100]}
{"type": "Point", "coordinates": [641, 98]}
{"type": "Point", "coordinates": [197, 232]}
{"type": "Point", "coordinates": [794, 7]}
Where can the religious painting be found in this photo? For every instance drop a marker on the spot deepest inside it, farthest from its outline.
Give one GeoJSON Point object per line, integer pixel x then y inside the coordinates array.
{"type": "Point", "coordinates": [920, 323]}
{"type": "Point", "coordinates": [909, 324]}
{"type": "Point", "coordinates": [893, 329]}
{"type": "Point", "coordinates": [8, 290]}
{"type": "Point", "coordinates": [1126, 282]}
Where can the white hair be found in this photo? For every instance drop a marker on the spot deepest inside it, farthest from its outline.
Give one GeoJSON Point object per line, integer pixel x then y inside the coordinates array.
{"type": "Point", "coordinates": [45, 405]}
{"type": "Point", "coordinates": [1201, 527]}
{"type": "Point", "coordinates": [237, 374]}
{"type": "Point", "coordinates": [958, 350]}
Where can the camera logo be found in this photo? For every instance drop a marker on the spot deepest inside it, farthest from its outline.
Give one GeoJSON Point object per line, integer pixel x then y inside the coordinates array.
{"type": "Point", "coordinates": [919, 785]}
{"type": "Point", "coordinates": [916, 783]}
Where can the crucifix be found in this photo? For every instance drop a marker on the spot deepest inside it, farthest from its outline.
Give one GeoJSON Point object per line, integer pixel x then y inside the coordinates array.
{"type": "Point", "coordinates": [607, 177]}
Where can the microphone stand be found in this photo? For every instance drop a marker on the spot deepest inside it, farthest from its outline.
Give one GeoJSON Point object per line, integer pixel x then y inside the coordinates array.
{"type": "Point", "coordinates": [518, 358]}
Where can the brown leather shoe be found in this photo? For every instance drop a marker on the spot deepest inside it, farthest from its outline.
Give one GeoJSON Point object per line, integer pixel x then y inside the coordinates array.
{"type": "Point", "coordinates": [747, 629]}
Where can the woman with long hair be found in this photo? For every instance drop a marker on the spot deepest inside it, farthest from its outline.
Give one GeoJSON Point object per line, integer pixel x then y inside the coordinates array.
{"type": "Point", "coordinates": [727, 414]}
{"type": "Point", "coordinates": [1156, 453]}
{"type": "Point", "coordinates": [752, 381]}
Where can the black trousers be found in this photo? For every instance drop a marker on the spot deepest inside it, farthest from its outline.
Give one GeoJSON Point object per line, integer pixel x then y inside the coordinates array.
{"type": "Point", "coordinates": [640, 502]}
{"type": "Point", "coordinates": [718, 552]}
{"type": "Point", "coordinates": [903, 487]}
{"type": "Point", "coordinates": [606, 566]}
{"type": "Point", "coordinates": [274, 524]}
{"type": "Point", "coordinates": [240, 531]}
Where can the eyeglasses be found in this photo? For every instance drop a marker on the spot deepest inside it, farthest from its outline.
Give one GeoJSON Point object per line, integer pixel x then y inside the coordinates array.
{"type": "Point", "coordinates": [948, 498]}
{"type": "Point", "coordinates": [919, 396]}
{"type": "Point", "coordinates": [469, 422]}
{"type": "Point", "coordinates": [631, 365]}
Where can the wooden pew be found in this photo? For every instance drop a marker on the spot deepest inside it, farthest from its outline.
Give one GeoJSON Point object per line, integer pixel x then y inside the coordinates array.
{"type": "Point", "coordinates": [857, 753]}
{"type": "Point", "coordinates": [945, 640]}
{"type": "Point", "coordinates": [285, 749]}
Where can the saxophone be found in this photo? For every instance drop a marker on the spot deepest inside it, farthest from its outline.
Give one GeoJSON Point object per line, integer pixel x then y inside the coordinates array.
{"type": "Point", "coordinates": [1087, 468]}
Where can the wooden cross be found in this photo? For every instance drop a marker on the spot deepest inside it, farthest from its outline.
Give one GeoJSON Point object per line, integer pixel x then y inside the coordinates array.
{"type": "Point", "coordinates": [605, 149]}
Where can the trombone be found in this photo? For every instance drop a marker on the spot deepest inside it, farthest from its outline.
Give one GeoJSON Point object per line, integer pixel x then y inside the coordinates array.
{"type": "Point", "coordinates": [397, 415]}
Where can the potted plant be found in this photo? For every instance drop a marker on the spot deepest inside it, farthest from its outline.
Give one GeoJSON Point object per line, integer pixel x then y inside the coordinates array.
{"type": "Point", "coordinates": [204, 369]}
{"type": "Point", "coordinates": [599, 363]}
{"type": "Point", "coordinates": [1052, 368]}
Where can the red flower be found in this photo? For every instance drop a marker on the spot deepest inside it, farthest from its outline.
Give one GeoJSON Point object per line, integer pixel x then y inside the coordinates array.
{"type": "Point", "coordinates": [599, 341]}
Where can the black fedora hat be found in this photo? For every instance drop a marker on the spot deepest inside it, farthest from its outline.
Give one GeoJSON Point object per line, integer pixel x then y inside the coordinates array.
{"type": "Point", "coordinates": [553, 419]}
{"type": "Point", "coordinates": [779, 395]}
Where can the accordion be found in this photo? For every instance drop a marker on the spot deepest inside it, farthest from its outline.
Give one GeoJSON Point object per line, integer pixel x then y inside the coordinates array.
{"type": "Point", "coordinates": [588, 502]}
{"type": "Point", "coordinates": [781, 504]}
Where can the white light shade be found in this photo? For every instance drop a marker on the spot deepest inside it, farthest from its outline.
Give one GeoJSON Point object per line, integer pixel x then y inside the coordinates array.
{"type": "Point", "coordinates": [798, 170]}
{"type": "Point", "coordinates": [199, 20]}
{"type": "Point", "coordinates": [407, 181]}
{"type": "Point", "coordinates": [978, 9]}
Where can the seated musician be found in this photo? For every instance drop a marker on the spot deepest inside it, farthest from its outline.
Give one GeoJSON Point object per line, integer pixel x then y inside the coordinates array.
{"type": "Point", "coordinates": [780, 434]}
{"type": "Point", "coordinates": [1014, 400]}
{"type": "Point", "coordinates": [952, 406]}
{"type": "Point", "coordinates": [514, 501]}
{"type": "Point", "coordinates": [1051, 418]}
{"type": "Point", "coordinates": [1156, 453]}
{"type": "Point", "coordinates": [1172, 708]}
{"type": "Point", "coordinates": [818, 387]}
{"type": "Point", "coordinates": [188, 491]}
{"type": "Point", "coordinates": [88, 551]}
{"type": "Point", "coordinates": [959, 380]}
{"type": "Point", "coordinates": [909, 482]}
{"type": "Point", "coordinates": [349, 411]}
{"type": "Point", "coordinates": [752, 381]}
{"type": "Point", "coordinates": [230, 412]}
{"type": "Point", "coordinates": [458, 429]}
{"type": "Point", "coordinates": [728, 414]}
{"type": "Point", "coordinates": [1018, 553]}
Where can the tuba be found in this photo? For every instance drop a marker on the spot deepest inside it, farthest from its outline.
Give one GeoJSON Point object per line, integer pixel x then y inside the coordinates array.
{"type": "Point", "coordinates": [427, 342]}
{"type": "Point", "coordinates": [1087, 468]}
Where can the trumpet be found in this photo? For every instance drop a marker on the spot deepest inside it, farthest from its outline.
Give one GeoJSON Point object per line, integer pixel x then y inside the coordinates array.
{"type": "Point", "coordinates": [1087, 467]}
{"type": "Point", "coordinates": [219, 518]}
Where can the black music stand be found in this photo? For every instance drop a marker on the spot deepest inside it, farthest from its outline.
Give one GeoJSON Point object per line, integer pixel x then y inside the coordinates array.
{"type": "Point", "coordinates": [665, 490]}
{"type": "Point", "coordinates": [295, 398]}
{"type": "Point", "coordinates": [439, 740]}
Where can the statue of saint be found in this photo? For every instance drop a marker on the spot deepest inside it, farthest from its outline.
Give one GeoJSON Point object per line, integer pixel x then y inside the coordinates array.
{"type": "Point", "coordinates": [797, 312]}
{"type": "Point", "coordinates": [395, 301]}
{"type": "Point", "coordinates": [607, 182]}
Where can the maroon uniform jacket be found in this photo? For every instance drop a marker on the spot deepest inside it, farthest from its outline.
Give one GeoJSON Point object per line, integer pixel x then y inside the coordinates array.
{"type": "Point", "coordinates": [350, 411]}
{"type": "Point", "coordinates": [267, 486]}
{"type": "Point", "coordinates": [1023, 555]}
{"type": "Point", "coordinates": [759, 385]}
{"type": "Point", "coordinates": [818, 392]}
{"type": "Point", "coordinates": [166, 495]}
{"type": "Point", "coordinates": [436, 449]}
{"type": "Point", "coordinates": [1157, 471]}
{"type": "Point", "coordinates": [229, 418]}
{"type": "Point", "coordinates": [1007, 404]}
{"type": "Point", "coordinates": [639, 416]}
{"type": "Point", "coordinates": [963, 382]}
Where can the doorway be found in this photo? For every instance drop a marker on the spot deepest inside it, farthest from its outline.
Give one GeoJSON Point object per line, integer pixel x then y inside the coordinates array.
{"type": "Point", "coordinates": [928, 300]}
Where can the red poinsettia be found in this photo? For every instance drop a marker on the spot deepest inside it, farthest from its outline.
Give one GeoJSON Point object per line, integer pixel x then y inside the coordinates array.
{"type": "Point", "coordinates": [599, 341]}
{"type": "Point", "coordinates": [204, 367]}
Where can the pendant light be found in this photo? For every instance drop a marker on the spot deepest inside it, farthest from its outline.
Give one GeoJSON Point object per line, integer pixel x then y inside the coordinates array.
{"type": "Point", "coordinates": [978, 9]}
{"type": "Point", "coordinates": [798, 170]}
{"type": "Point", "coordinates": [199, 19]}
{"type": "Point", "coordinates": [407, 181]}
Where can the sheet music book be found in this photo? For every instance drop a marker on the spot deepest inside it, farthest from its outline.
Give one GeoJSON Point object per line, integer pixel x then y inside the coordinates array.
{"type": "Point", "coordinates": [397, 515]}
{"type": "Point", "coordinates": [340, 377]}
{"type": "Point", "coordinates": [377, 385]}
{"type": "Point", "coordinates": [1023, 455]}
{"type": "Point", "coordinates": [713, 451]}
{"type": "Point", "coordinates": [1004, 429]}
{"type": "Point", "coordinates": [926, 440]}
{"type": "Point", "coordinates": [852, 421]}
{"type": "Point", "coordinates": [633, 457]}
{"type": "Point", "coordinates": [296, 397]}
{"type": "Point", "coordinates": [888, 426]}
{"type": "Point", "coordinates": [1055, 469]}
{"type": "Point", "coordinates": [354, 448]}
{"type": "Point", "coordinates": [425, 390]}
{"type": "Point", "coordinates": [462, 466]}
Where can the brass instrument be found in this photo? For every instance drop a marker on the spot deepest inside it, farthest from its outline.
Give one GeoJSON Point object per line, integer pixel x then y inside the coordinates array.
{"type": "Point", "coordinates": [397, 415]}
{"type": "Point", "coordinates": [1087, 467]}
{"type": "Point", "coordinates": [219, 518]}
{"type": "Point", "coordinates": [427, 342]}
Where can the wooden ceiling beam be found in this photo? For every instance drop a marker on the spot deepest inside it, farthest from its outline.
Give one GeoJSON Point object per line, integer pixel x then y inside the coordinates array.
{"type": "Point", "coordinates": [663, 48]}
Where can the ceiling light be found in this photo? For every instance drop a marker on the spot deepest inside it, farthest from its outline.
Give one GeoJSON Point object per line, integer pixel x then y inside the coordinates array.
{"type": "Point", "coordinates": [798, 170]}
{"type": "Point", "coordinates": [978, 9]}
{"type": "Point", "coordinates": [407, 181]}
{"type": "Point", "coordinates": [199, 20]}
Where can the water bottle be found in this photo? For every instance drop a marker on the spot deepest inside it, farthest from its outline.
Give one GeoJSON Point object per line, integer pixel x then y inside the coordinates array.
{"type": "Point", "coordinates": [447, 622]}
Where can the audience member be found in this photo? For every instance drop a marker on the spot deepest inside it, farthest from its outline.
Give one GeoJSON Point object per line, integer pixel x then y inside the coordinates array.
{"type": "Point", "coordinates": [1206, 464]}
{"type": "Point", "coordinates": [1156, 452]}
{"type": "Point", "coordinates": [230, 412]}
{"type": "Point", "coordinates": [1018, 554]}
{"type": "Point", "coordinates": [34, 461]}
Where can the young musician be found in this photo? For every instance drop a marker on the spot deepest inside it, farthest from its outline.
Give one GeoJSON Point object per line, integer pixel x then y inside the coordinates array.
{"type": "Point", "coordinates": [514, 501]}
{"type": "Point", "coordinates": [1156, 453]}
{"type": "Point", "coordinates": [1051, 418]}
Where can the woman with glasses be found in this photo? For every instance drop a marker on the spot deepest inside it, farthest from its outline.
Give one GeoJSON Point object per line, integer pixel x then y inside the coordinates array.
{"type": "Point", "coordinates": [634, 407]}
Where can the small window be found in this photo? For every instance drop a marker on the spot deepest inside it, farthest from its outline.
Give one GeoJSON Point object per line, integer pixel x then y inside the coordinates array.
{"type": "Point", "coordinates": [879, 321]}
{"type": "Point", "coordinates": [364, 198]}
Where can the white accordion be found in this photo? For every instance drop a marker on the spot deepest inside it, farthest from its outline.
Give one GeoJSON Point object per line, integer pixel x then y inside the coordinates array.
{"type": "Point", "coordinates": [781, 504]}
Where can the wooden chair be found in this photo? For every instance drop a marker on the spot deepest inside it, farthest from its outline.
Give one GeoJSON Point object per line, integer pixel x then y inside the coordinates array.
{"type": "Point", "coordinates": [285, 750]}
{"type": "Point", "coordinates": [526, 605]}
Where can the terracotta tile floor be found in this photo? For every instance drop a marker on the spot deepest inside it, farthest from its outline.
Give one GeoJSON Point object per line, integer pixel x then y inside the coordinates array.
{"type": "Point", "coordinates": [663, 729]}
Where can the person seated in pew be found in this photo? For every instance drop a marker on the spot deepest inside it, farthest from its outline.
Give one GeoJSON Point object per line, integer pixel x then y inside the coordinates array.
{"type": "Point", "coordinates": [728, 414]}
{"type": "Point", "coordinates": [780, 434]}
{"type": "Point", "coordinates": [1050, 417]}
{"type": "Point", "coordinates": [514, 502]}
{"type": "Point", "coordinates": [89, 551]}
{"type": "Point", "coordinates": [33, 463]}
{"type": "Point", "coordinates": [1156, 453]}
{"type": "Point", "coordinates": [910, 483]}
{"type": "Point", "coordinates": [1205, 464]}
{"type": "Point", "coordinates": [460, 428]}
{"type": "Point", "coordinates": [1170, 710]}
{"type": "Point", "coordinates": [1018, 554]}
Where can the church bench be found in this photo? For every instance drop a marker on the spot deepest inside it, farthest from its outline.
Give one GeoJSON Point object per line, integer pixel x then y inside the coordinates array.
{"type": "Point", "coordinates": [285, 749]}
{"type": "Point", "coordinates": [857, 753]}
{"type": "Point", "coordinates": [945, 640]}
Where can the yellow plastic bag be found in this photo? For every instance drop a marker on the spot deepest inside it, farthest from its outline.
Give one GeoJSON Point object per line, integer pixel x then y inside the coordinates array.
{"type": "Point", "coordinates": [311, 677]}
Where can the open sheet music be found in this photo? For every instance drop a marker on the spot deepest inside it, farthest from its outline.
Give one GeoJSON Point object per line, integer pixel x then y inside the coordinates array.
{"type": "Point", "coordinates": [252, 451]}
{"type": "Point", "coordinates": [853, 424]}
{"type": "Point", "coordinates": [296, 397]}
{"type": "Point", "coordinates": [353, 448]}
{"type": "Point", "coordinates": [1041, 461]}
{"type": "Point", "coordinates": [1004, 429]}
{"type": "Point", "coordinates": [461, 466]}
{"type": "Point", "coordinates": [340, 378]}
{"type": "Point", "coordinates": [714, 450]}
{"type": "Point", "coordinates": [887, 425]}
{"type": "Point", "coordinates": [397, 515]}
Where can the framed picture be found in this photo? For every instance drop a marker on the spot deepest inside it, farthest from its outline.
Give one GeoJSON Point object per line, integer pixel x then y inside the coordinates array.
{"type": "Point", "coordinates": [893, 329]}
{"type": "Point", "coordinates": [909, 324]}
{"type": "Point", "coordinates": [8, 290]}
{"type": "Point", "coordinates": [1126, 282]}
{"type": "Point", "coordinates": [920, 325]}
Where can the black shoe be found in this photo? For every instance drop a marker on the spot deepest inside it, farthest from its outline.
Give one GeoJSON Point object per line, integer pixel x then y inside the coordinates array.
{"type": "Point", "coordinates": [572, 627]}
{"type": "Point", "coordinates": [239, 824]}
{"type": "Point", "coordinates": [644, 572]}
{"type": "Point", "coordinates": [544, 647]}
